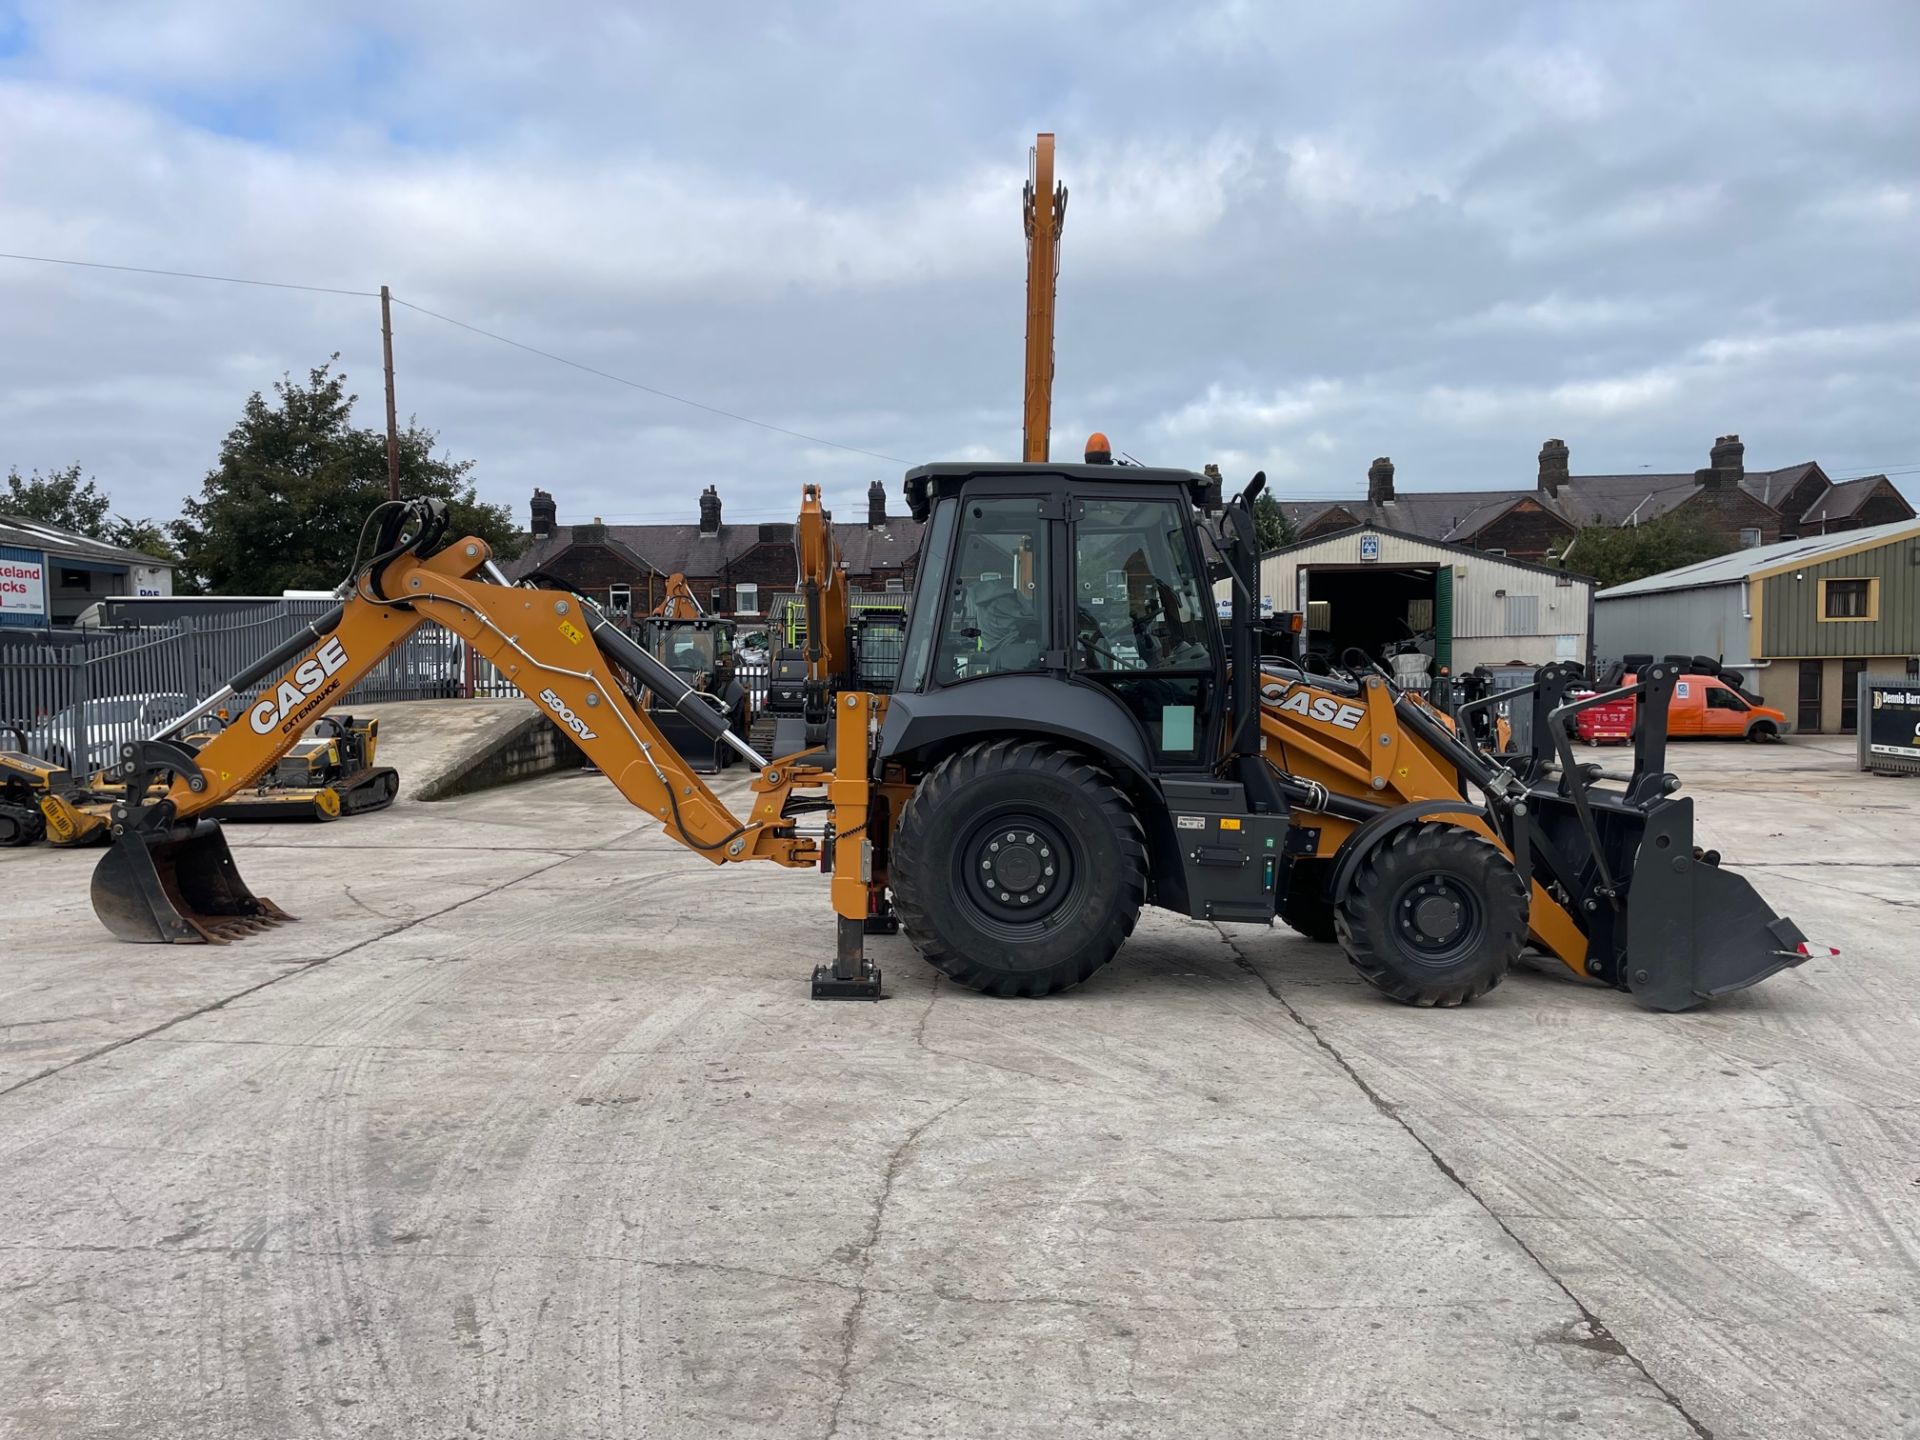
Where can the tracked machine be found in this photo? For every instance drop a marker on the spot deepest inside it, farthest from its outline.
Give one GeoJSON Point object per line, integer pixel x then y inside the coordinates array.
{"type": "Point", "coordinates": [329, 772]}
{"type": "Point", "coordinates": [24, 779]}
{"type": "Point", "coordinates": [1073, 736]}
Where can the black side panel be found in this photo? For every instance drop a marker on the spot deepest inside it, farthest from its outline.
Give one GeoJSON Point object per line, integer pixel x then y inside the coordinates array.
{"type": "Point", "coordinates": [980, 709]}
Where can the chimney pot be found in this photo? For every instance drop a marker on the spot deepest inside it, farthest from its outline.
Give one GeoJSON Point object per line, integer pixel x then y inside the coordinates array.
{"type": "Point", "coordinates": [710, 510]}
{"type": "Point", "coordinates": [1554, 459]}
{"type": "Point", "coordinates": [876, 505]}
{"type": "Point", "coordinates": [1729, 457]}
{"type": "Point", "coordinates": [544, 514]}
{"type": "Point", "coordinates": [1380, 482]}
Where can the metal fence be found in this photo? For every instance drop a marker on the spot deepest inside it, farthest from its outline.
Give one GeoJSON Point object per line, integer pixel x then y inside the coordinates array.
{"type": "Point", "coordinates": [78, 695]}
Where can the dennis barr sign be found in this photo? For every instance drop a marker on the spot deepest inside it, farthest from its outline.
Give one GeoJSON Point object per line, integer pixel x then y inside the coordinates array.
{"type": "Point", "coordinates": [1893, 719]}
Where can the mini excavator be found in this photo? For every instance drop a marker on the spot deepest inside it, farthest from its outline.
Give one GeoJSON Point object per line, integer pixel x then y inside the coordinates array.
{"type": "Point", "coordinates": [1073, 735]}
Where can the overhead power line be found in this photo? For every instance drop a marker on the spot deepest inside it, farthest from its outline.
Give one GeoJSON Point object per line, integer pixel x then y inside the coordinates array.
{"type": "Point", "coordinates": [192, 275]}
{"type": "Point", "coordinates": [648, 389]}
{"type": "Point", "coordinates": [653, 390]}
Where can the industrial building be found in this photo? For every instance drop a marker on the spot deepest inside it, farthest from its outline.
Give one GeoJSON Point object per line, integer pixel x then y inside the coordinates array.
{"type": "Point", "coordinates": [1801, 619]}
{"type": "Point", "coordinates": [50, 576]}
{"type": "Point", "coordinates": [1372, 588]}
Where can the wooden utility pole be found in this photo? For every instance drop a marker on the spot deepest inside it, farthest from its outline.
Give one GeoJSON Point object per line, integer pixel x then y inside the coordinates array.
{"type": "Point", "coordinates": [1045, 211]}
{"type": "Point", "coordinates": [393, 423]}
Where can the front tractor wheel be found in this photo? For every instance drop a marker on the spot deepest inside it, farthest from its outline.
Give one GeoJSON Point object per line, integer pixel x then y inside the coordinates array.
{"type": "Point", "coordinates": [1018, 868]}
{"type": "Point", "coordinates": [1435, 915]}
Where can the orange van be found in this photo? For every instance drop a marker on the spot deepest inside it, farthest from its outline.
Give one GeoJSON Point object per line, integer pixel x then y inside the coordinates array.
{"type": "Point", "coordinates": [1705, 707]}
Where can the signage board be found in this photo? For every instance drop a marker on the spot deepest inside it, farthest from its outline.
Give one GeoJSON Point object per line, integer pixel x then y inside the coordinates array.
{"type": "Point", "coordinates": [23, 586]}
{"type": "Point", "coordinates": [1890, 723]}
{"type": "Point", "coordinates": [1369, 547]}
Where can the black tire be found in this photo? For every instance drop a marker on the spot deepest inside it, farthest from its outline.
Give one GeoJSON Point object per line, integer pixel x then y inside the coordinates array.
{"type": "Point", "coordinates": [1305, 907]}
{"type": "Point", "coordinates": [20, 825]}
{"type": "Point", "coordinates": [1435, 915]}
{"type": "Point", "coordinates": [1763, 731]}
{"type": "Point", "coordinates": [1074, 872]}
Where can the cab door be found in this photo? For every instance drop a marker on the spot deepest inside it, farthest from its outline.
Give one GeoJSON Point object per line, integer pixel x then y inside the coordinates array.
{"type": "Point", "coordinates": [1143, 627]}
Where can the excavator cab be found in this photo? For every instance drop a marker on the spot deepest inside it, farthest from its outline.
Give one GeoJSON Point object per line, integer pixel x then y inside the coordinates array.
{"type": "Point", "coordinates": [698, 650]}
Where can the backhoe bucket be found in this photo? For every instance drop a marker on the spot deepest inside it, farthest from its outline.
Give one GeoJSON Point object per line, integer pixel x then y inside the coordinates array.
{"type": "Point", "coordinates": [177, 887]}
{"type": "Point", "coordinates": [1695, 930]}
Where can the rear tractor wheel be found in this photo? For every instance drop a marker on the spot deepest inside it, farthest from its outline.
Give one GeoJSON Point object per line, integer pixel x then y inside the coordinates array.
{"type": "Point", "coordinates": [1435, 915]}
{"type": "Point", "coordinates": [1018, 868]}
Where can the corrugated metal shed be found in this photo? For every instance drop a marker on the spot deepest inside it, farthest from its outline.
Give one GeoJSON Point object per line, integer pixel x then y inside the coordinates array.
{"type": "Point", "coordinates": [1748, 607]}
{"type": "Point", "coordinates": [1741, 564]}
{"type": "Point", "coordinates": [1794, 623]}
{"type": "Point", "coordinates": [1488, 593]}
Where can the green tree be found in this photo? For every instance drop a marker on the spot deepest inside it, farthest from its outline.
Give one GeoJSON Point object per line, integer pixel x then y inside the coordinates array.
{"type": "Point", "coordinates": [297, 479]}
{"type": "Point", "coordinates": [66, 499]}
{"type": "Point", "coordinates": [1614, 556]}
{"type": "Point", "coordinates": [1271, 524]}
{"type": "Point", "coordinates": [60, 497]}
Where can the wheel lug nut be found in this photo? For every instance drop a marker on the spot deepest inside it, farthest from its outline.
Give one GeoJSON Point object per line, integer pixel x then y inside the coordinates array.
{"type": "Point", "coordinates": [1026, 899]}
{"type": "Point", "coordinates": [995, 846]}
{"type": "Point", "coordinates": [1047, 871]}
{"type": "Point", "coordinates": [1004, 897]}
{"type": "Point", "coordinates": [986, 864]}
{"type": "Point", "coordinates": [1030, 837]}
{"type": "Point", "coordinates": [1043, 889]}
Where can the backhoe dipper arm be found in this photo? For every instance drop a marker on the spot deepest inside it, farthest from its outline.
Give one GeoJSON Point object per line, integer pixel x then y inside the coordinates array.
{"type": "Point", "coordinates": [823, 586]}
{"type": "Point", "coordinates": [557, 649]}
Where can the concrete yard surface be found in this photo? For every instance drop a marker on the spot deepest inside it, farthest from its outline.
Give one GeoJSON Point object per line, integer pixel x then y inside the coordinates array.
{"type": "Point", "coordinates": [528, 1129]}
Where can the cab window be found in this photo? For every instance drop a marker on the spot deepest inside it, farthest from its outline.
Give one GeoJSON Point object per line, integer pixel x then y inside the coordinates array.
{"type": "Point", "coordinates": [1141, 624]}
{"type": "Point", "coordinates": [995, 616]}
{"type": "Point", "coordinates": [1720, 698]}
{"type": "Point", "coordinates": [1137, 602]}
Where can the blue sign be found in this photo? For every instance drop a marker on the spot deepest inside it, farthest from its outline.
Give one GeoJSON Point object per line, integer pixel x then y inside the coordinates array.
{"type": "Point", "coordinates": [1369, 547]}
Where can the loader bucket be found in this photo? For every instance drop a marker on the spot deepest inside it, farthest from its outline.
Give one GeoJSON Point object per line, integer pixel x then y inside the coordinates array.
{"type": "Point", "coordinates": [1695, 930]}
{"type": "Point", "coordinates": [177, 886]}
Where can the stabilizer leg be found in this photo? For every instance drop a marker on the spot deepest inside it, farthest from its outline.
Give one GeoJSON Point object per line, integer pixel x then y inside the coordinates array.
{"type": "Point", "coordinates": [852, 976]}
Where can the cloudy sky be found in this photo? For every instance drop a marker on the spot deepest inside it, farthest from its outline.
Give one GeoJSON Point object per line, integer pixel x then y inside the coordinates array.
{"type": "Point", "coordinates": [1299, 236]}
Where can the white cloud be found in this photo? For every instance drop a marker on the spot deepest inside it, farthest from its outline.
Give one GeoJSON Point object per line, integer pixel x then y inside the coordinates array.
{"type": "Point", "coordinates": [1557, 314]}
{"type": "Point", "coordinates": [1238, 412]}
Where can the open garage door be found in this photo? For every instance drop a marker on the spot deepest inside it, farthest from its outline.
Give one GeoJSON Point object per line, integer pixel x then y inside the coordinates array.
{"type": "Point", "coordinates": [1382, 610]}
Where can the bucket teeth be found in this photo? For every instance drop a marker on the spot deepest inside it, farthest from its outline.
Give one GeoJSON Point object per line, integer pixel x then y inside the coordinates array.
{"type": "Point", "coordinates": [178, 886]}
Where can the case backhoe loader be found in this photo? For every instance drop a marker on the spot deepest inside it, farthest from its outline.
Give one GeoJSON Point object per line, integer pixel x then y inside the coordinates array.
{"type": "Point", "coordinates": [1073, 735]}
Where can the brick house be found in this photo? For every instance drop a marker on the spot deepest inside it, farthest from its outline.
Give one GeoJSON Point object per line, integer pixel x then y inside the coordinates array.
{"type": "Point", "coordinates": [733, 569]}
{"type": "Point", "coordinates": [1753, 507]}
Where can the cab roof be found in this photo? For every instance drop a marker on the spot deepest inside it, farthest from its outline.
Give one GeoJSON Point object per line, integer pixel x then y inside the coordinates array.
{"type": "Point", "coordinates": [925, 482]}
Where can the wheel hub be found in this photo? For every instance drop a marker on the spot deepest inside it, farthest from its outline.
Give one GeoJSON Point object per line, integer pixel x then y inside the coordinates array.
{"type": "Point", "coordinates": [1016, 868]}
{"type": "Point", "coordinates": [1438, 918]}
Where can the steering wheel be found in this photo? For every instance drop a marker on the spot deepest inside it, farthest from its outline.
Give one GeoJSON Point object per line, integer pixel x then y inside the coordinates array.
{"type": "Point", "coordinates": [1092, 640]}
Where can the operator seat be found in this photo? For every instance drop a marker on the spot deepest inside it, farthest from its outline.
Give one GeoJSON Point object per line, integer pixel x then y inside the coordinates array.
{"type": "Point", "coordinates": [1009, 630]}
